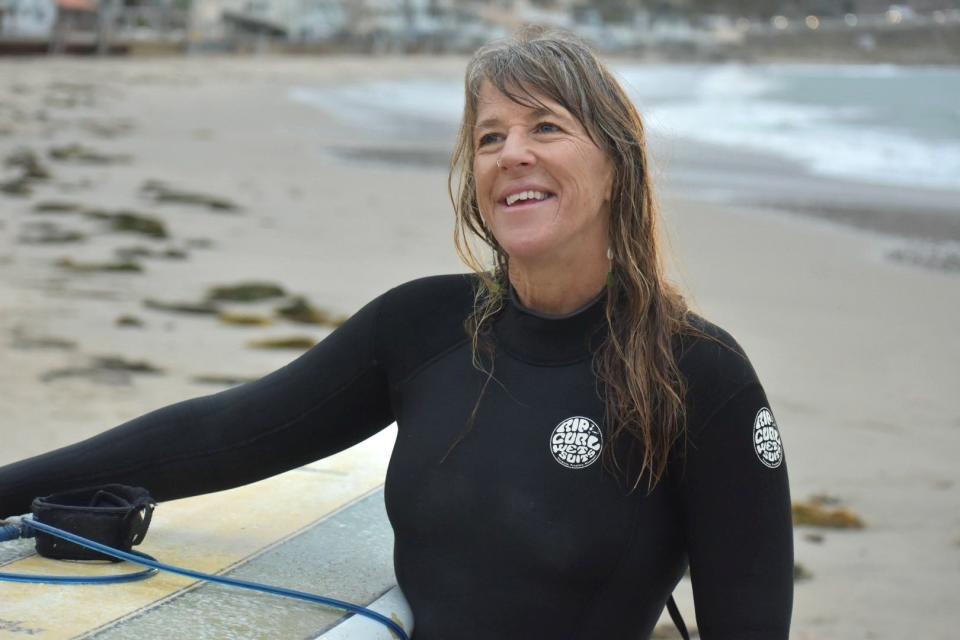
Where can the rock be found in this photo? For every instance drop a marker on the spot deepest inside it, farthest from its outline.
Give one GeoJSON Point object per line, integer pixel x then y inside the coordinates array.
{"type": "Point", "coordinates": [246, 292]}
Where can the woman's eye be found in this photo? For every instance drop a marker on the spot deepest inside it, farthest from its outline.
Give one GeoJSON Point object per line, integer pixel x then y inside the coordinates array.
{"type": "Point", "coordinates": [547, 127]}
{"type": "Point", "coordinates": [487, 139]}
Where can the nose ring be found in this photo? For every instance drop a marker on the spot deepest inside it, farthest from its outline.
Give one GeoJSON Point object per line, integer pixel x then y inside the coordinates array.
{"type": "Point", "coordinates": [498, 164]}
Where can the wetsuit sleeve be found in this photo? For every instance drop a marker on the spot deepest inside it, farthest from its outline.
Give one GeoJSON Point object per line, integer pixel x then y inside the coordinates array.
{"type": "Point", "coordinates": [331, 397]}
{"type": "Point", "coordinates": [738, 522]}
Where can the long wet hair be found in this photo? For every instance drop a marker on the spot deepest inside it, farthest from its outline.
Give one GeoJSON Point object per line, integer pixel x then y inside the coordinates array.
{"type": "Point", "coordinates": [635, 366]}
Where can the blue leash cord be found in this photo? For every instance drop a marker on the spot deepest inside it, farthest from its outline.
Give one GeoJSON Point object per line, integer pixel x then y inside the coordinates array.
{"type": "Point", "coordinates": [13, 531]}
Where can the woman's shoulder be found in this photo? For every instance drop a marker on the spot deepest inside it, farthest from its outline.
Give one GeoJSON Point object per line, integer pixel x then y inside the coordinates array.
{"type": "Point", "coordinates": [714, 365]}
{"type": "Point", "coordinates": [421, 318]}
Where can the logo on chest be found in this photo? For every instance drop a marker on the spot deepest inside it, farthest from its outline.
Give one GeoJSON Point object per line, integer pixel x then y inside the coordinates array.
{"type": "Point", "coordinates": [576, 442]}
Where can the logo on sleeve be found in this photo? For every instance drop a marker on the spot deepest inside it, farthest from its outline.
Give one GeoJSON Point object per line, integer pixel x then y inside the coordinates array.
{"type": "Point", "coordinates": [576, 442]}
{"type": "Point", "coordinates": [766, 439]}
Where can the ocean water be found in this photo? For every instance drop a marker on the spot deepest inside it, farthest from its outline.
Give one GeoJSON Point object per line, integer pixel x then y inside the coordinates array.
{"type": "Point", "coordinates": [878, 124]}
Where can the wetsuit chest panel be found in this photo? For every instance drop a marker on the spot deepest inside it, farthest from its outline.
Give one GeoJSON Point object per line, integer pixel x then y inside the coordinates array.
{"type": "Point", "coordinates": [503, 512]}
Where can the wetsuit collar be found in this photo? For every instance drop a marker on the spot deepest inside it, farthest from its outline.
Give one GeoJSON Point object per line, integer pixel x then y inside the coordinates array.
{"type": "Point", "coordinates": [544, 339]}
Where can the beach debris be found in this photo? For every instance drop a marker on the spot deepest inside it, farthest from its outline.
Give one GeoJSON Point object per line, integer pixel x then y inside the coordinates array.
{"type": "Point", "coordinates": [161, 192]}
{"type": "Point", "coordinates": [127, 266]}
{"type": "Point", "coordinates": [246, 292]}
{"type": "Point", "coordinates": [57, 206]}
{"type": "Point", "coordinates": [86, 155]}
{"type": "Point", "coordinates": [223, 380]}
{"type": "Point", "coordinates": [817, 512]}
{"type": "Point", "coordinates": [126, 221]}
{"type": "Point", "coordinates": [245, 319]}
{"type": "Point", "coordinates": [293, 342]}
{"type": "Point", "coordinates": [800, 572]}
{"type": "Point", "coordinates": [28, 163]}
{"type": "Point", "coordinates": [129, 321]}
{"type": "Point", "coordinates": [48, 233]}
{"type": "Point", "coordinates": [105, 370]}
{"type": "Point", "coordinates": [196, 308]}
{"type": "Point", "coordinates": [816, 538]}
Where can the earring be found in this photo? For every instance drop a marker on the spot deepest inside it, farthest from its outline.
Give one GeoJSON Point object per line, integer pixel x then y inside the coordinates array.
{"type": "Point", "coordinates": [609, 253]}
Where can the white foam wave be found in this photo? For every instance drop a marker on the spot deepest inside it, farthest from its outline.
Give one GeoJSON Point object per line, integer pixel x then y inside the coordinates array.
{"type": "Point", "coordinates": [719, 104]}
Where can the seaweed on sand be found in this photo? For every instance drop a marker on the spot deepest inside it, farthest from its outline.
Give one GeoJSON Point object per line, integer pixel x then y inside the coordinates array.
{"type": "Point", "coordinates": [92, 267]}
{"type": "Point", "coordinates": [105, 370]}
{"type": "Point", "coordinates": [246, 292]}
{"type": "Point", "coordinates": [47, 233]}
{"type": "Point", "coordinates": [161, 192]}
{"type": "Point", "coordinates": [194, 308]}
{"type": "Point", "coordinates": [126, 221]}
{"type": "Point", "coordinates": [86, 155]}
{"type": "Point", "coordinates": [817, 512]}
{"type": "Point", "coordinates": [294, 342]}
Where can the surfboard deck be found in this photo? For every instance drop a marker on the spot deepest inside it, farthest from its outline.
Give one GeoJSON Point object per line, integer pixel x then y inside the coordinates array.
{"type": "Point", "coordinates": [321, 529]}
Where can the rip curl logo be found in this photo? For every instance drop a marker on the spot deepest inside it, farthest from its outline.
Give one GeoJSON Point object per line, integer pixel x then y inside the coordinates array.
{"type": "Point", "coordinates": [766, 439]}
{"type": "Point", "coordinates": [576, 442]}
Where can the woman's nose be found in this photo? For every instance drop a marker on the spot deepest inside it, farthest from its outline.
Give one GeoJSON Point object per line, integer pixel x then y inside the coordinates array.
{"type": "Point", "coordinates": [516, 151]}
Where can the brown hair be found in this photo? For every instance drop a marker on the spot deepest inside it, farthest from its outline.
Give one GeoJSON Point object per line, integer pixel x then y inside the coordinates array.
{"type": "Point", "coordinates": [636, 367]}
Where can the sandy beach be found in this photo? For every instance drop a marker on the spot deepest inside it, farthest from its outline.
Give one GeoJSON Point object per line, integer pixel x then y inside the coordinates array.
{"type": "Point", "coordinates": [850, 322]}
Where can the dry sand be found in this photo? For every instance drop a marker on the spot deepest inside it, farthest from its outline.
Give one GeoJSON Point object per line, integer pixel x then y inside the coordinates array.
{"type": "Point", "coordinates": [859, 354]}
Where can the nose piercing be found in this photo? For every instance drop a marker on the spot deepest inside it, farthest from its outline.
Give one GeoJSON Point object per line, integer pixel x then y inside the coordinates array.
{"type": "Point", "coordinates": [498, 164]}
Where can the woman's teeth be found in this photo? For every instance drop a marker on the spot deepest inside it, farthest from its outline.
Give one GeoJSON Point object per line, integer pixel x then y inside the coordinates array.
{"type": "Point", "coordinates": [526, 195]}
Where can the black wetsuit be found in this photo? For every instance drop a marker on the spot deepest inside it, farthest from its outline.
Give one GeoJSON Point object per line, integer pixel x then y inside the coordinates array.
{"type": "Point", "coordinates": [519, 534]}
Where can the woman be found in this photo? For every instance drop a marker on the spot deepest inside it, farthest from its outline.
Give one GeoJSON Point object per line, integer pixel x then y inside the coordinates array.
{"type": "Point", "coordinates": [569, 434]}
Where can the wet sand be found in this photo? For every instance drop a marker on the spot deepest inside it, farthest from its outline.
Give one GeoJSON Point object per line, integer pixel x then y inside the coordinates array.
{"type": "Point", "coordinates": [858, 351]}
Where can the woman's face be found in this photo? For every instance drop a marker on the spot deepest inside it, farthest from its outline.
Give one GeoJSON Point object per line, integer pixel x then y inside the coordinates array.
{"type": "Point", "coordinates": [548, 200]}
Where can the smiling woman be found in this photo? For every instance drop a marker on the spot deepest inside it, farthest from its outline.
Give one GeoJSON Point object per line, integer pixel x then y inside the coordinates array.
{"type": "Point", "coordinates": [624, 439]}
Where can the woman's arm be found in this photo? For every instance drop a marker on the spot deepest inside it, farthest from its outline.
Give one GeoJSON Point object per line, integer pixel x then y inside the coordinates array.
{"type": "Point", "coordinates": [328, 399]}
{"type": "Point", "coordinates": [738, 522]}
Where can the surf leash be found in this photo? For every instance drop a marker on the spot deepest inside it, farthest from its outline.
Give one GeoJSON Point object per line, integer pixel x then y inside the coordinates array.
{"type": "Point", "coordinates": [125, 527]}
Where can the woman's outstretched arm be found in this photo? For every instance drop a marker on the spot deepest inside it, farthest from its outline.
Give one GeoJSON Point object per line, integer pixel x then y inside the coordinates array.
{"type": "Point", "coordinates": [328, 399]}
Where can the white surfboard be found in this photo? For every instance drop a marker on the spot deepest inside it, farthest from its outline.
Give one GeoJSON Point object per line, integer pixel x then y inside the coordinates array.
{"type": "Point", "coordinates": [320, 529]}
